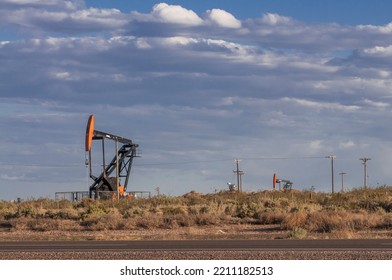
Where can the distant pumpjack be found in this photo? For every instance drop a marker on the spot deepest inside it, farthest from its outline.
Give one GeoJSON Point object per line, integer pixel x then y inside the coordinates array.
{"type": "Point", "coordinates": [287, 184]}
{"type": "Point", "coordinates": [119, 168]}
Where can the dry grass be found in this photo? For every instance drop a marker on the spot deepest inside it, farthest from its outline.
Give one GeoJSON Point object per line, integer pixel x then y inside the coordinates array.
{"type": "Point", "coordinates": [299, 214]}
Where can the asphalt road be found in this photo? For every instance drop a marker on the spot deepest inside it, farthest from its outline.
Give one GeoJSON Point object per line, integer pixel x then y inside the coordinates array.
{"type": "Point", "coordinates": [200, 245]}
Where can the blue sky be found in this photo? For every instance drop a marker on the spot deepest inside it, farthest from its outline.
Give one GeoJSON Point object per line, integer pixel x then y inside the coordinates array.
{"type": "Point", "coordinates": [277, 84]}
{"type": "Point", "coordinates": [343, 12]}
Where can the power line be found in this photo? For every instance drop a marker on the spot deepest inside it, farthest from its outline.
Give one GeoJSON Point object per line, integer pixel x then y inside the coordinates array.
{"type": "Point", "coordinates": [227, 160]}
{"type": "Point", "coordinates": [266, 158]}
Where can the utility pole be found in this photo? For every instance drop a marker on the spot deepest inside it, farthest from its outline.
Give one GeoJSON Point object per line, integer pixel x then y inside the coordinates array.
{"type": "Point", "coordinates": [342, 174]}
{"type": "Point", "coordinates": [364, 160]}
{"type": "Point", "coordinates": [239, 175]}
{"type": "Point", "coordinates": [117, 173]}
{"type": "Point", "coordinates": [333, 184]}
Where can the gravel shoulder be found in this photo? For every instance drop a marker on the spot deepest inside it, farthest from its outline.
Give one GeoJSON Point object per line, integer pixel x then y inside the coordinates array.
{"type": "Point", "coordinates": [200, 255]}
{"type": "Point", "coordinates": [207, 232]}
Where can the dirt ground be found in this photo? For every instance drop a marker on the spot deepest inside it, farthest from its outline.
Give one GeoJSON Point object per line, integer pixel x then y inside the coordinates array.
{"type": "Point", "coordinates": [240, 231]}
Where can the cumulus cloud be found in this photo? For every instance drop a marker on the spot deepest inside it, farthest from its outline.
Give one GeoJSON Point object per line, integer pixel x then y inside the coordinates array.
{"type": "Point", "coordinates": [378, 51]}
{"type": "Point", "coordinates": [173, 14]}
{"type": "Point", "coordinates": [222, 18]}
{"type": "Point", "coordinates": [384, 29]}
{"type": "Point", "coordinates": [61, 17]}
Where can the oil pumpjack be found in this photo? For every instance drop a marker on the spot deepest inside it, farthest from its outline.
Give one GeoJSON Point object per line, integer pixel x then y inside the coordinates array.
{"type": "Point", "coordinates": [108, 184]}
{"type": "Point", "coordinates": [287, 184]}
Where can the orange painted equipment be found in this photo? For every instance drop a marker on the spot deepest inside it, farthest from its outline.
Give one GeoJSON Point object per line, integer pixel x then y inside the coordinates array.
{"type": "Point", "coordinates": [121, 191]}
{"type": "Point", "coordinates": [89, 132]}
{"type": "Point", "coordinates": [274, 181]}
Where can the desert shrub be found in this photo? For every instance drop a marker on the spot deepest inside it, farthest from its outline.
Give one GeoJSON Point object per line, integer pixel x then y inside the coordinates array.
{"type": "Point", "coordinates": [19, 223]}
{"type": "Point", "coordinates": [230, 210]}
{"type": "Point", "coordinates": [195, 200]}
{"type": "Point", "coordinates": [29, 210]}
{"type": "Point", "coordinates": [268, 217]}
{"type": "Point", "coordinates": [136, 212]}
{"type": "Point", "coordinates": [67, 214]}
{"type": "Point", "coordinates": [178, 220]}
{"type": "Point", "coordinates": [335, 214]}
{"type": "Point", "coordinates": [97, 218]}
{"type": "Point", "coordinates": [193, 210]}
{"type": "Point", "coordinates": [206, 219]}
{"type": "Point", "coordinates": [328, 221]}
{"type": "Point", "coordinates": [106, 221]}
{"type": "Point", "coordinates": [369, 205]}
{"type": "Point", "coordinates": [4, 224]}
{"type": "Point", "coordinates": [248, 210]}
{"type": "Point", "coordinates": [204, 209]}
{"type": "Point", "coordinates": [363, 220]}
{"type": "Point", "coordinates": [295, 220]}
{"type": "Point", "coordinates": [174, 210]}
{"type": "Point", "coordinates": [284, 203]}
{"type": "Point", "coordinates": [42, 224]}
{"type": "Point", "coordinates": [86, 202]}
{"type": "Point", "coordinates": [63, 204]}
{"type": "Point", "coordinates": [167, 201]}
{"type": "Point", "coordinates": [298, 233]}
{"type": "Point", "coordinates": [7, 209]}
{"type": "Point", "coordinates": [148, 222]}
{"type": "Point", "coordinates": [270, 204]}
{"type": "Point", "coordinates": [387, 206]}
{"type": "Point", "coordinates": [95, 209]}
{"type": "Point", "coordinates": [385, 222]}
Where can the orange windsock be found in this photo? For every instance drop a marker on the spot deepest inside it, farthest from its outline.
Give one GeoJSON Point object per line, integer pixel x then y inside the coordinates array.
{"type": "Point", "coordinates": [89, 132]}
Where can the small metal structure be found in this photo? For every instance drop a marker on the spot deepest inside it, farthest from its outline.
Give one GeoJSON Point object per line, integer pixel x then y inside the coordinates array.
{"type": "Point", "coordinates": [232, 186]}
{"type": "Point", "coordinates": [80, 195]}
{"type": "Point", "coordinates": [72, 196]}
{"type": "Point", "coordinates": [117, 170]}
{"type": "Point", "coordinates": [287, 184]}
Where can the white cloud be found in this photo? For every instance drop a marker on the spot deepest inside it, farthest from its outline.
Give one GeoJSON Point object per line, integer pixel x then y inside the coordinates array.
{"type": "Point", "coordinates": [63, 75]}
{"type": "Point", "coordinates": [223, 18]}
{"type": "Point", "coordinates": [63, 18]}
{"type": "Point", "coordinates": [378, 51]}
{"type": "Point", "coordinates": [347, 145]}
{"type": "Point", "coordinates": [376, 104]}
{"type": "Point", "coordinates": [275, 19]}
{"type": "Point", "coordinates": [7, 177]}
{"type": "Point", "coordinates": [112, 18]}
{"type": "Point", "coordinates": [180, 41]}
{"type": "Point", "coordinates": [42, 4]}
{"type": "Point", "coordinates": [31, 2]}
{"type": "Point", "coordinates": [175, 14]}
{"type": "Point", "coordinates": [385, 29]}
{"type": "Point", "coordinates": [315, 146]}
{"type": "Point", "coordinates": [317, 105]}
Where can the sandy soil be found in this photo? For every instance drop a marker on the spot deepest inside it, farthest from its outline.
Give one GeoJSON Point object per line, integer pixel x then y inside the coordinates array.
{"type": "Point", "coordinates": [240, 231]}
